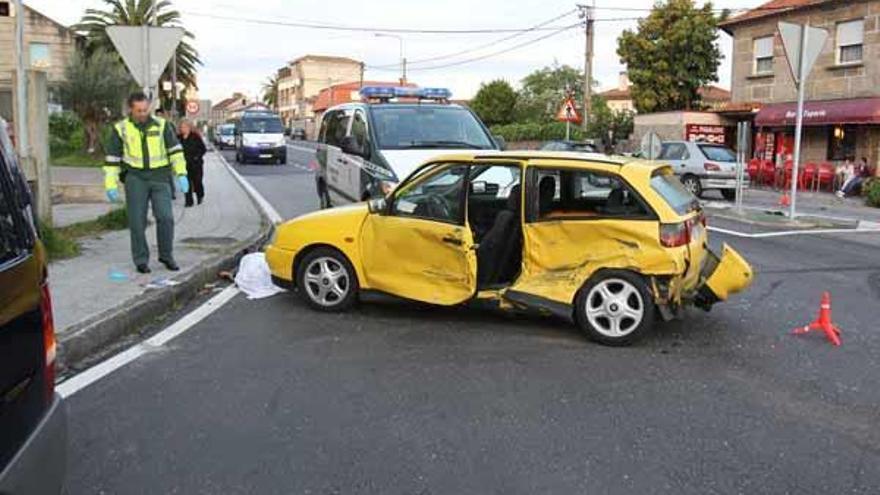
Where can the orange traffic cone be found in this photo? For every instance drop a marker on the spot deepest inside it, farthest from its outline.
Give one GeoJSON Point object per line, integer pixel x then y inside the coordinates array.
{"type": "Point", "coordinates": [823, 321]}
{"type": "Point", "coordinates": [784, 200]}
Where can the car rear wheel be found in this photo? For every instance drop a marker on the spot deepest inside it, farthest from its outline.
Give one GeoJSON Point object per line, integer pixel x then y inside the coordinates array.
{"type": "Point", "coordinates": [615, 308]}
{"type": "Point", "coordinates": [692, 184]}
{"type": "Point", "coordinates": [326, 280]}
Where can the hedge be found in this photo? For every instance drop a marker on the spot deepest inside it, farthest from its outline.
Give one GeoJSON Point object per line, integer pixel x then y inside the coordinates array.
{"type": "Point", "coordinates": [534, 131]}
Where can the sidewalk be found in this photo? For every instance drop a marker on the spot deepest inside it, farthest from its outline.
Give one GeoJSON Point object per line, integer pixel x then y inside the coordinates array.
{"type": "Point", "coordinates": [819, 204]}
{"type": "Point", "coordinates": [95, 294]}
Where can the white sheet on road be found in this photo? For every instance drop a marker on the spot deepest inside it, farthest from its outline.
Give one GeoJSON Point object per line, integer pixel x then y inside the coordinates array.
{"type": "Point", "coordinates": [254, 278]}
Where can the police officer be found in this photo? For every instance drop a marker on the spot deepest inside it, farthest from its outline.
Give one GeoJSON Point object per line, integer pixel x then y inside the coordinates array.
{"type": "Point", "coordinates": [144, 153]}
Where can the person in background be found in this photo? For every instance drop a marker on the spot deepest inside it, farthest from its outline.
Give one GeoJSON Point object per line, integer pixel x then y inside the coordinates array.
{"type": "Point", "coordinates": [144, 149]}
{"type": "Point", "coordinates": [858, 174]}
{"type": "Point", "coordinates": [194, 151]}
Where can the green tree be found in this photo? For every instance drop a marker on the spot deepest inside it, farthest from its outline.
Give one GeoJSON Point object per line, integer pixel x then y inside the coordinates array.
{"type": "Point", "coordinates": [137, 13]}
{"type": "Point", "coordinates": [543, 91]}
{"type": "Point", "coordinates": [495, 102]}
{"type": "Point", "coordinates": [671, 55]}
{"type": "Point", "coordinates": [620, 124]}
{"type": "Point", "coordinates": [94, 88]}
{"type": "Point", "coordinates": [270, 91]}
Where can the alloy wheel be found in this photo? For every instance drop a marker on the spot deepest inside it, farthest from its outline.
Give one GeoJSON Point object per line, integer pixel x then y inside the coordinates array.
{"type": "Point", "coordinates": [615, 307]}
{"type": "Point", "coordinates": [326, 281]}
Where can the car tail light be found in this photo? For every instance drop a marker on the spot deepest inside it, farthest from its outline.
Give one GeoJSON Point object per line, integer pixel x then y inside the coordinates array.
{"type": "Point", "coordinates": [675, 234]}
{"type": "Point", "coordinates": [712, 167]}
{"type": "Point", "coordinates": [49, 346]}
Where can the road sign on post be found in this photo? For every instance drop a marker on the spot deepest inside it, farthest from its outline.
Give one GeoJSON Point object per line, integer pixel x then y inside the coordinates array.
{"type": "Point", "coordinates": [145, 66]}
{"type": "Point", "coordinates": [192, 107]}
{"type": "Point", "coordinates": [568, 113]}
{"type": "Point", "coordinates": [651, 146]}
{"type": "Point", "coordinates": [802, 44]}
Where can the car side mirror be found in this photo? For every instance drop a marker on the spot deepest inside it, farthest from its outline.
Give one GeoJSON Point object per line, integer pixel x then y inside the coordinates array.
{"type": "Point", "coordinates": [378, 205]}
{"type": "Point", "coordinates": [500, 142]}
{"type": "Point", "coordinates": [350, 146]}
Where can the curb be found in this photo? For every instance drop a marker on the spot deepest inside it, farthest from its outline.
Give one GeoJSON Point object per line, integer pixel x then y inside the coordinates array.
{"type": "Point", "coordinates": [95, 334]}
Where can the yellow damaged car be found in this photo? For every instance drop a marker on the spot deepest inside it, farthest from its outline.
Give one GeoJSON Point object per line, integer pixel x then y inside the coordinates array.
{"type": "Point", "coordinates": [607, 243]}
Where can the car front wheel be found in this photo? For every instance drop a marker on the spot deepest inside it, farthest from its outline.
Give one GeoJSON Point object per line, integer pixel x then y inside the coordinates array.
{"type": "Point", "coordinates": [326, 280]}
{"type": "Point", "coordinates": [615, 308]}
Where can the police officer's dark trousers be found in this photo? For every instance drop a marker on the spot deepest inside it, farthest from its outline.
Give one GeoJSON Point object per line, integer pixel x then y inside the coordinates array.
{"type": "Point", "coordinates": [143, 187]}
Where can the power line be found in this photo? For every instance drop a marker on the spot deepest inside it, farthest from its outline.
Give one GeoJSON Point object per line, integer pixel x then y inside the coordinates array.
{"type": "Point", "coordinates": [373, 29]}
{"type": "Point", "coordinates": [498, 52]}
{"type": "Point", "coordinates": [480, 47]}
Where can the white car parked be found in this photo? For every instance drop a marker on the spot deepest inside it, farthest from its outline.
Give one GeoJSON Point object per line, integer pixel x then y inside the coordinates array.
{"type": "Point", "coordinates": [702, 166]}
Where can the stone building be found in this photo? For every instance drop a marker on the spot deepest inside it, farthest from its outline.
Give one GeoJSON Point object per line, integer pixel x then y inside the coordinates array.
{"type": "Point", "coordinates": [300, 81]}
{"type": "Point", "coordinates": [49, 46]}
{"type": "Point", "coordinates": [842, 113]}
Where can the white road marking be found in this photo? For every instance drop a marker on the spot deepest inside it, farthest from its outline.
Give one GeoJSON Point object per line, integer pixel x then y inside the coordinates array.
{"type": "Point", "coordinates": [82, 380]}
{"type": "Point", "coordinates": [267, 207]}
{"type": "Point", "coordinates": [301, 148]}
{"type": "Point", "coordinates": [783, 233]}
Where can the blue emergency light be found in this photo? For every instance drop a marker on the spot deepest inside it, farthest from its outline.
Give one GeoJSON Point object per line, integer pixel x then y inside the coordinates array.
{"type": "Point", "coordinates": [389, 92]}
{"type": "Point", "coordinates": [378, 92]}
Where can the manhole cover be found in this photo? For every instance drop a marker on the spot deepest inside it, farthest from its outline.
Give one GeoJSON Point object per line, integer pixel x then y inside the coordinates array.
{"type": "Point", "coordinates": [209, 240]}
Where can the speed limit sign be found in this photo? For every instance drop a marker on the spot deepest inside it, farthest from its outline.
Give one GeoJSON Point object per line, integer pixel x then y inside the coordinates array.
{"type": "Point", "coordinates": [192, 107]}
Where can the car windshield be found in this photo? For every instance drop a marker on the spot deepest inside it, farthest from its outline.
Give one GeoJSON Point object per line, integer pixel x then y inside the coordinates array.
{"type": "Point", "coordinates": [227, 130]}
{"type": "Point", "coordinates": [718, 153]}
{"type": "Point", "coordinates": [426, 127]}
{"type": "Point", "coordinates": [671, 189]}
{"type": "Point", "coordinates": [267, 125]}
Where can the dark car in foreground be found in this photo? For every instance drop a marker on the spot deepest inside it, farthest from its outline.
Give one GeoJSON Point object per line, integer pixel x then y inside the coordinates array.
{"type": "Point", "coordinates": [33, 418]}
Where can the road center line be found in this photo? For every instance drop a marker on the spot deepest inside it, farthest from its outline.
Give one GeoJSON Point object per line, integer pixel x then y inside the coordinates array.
{"type": "Point", "coordinates": [82, 380]}
{"type": "Point", "coordinates": [783, 233]}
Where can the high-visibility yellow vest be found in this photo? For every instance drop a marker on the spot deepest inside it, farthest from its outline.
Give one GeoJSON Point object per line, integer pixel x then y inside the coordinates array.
{"type": "Point", "coordinates": [132, 152]}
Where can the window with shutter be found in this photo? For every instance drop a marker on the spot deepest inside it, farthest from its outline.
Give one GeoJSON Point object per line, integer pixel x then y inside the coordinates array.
{"type": "Point", "coordinates": [763, 49]}
{"type": "Point", "coordinates": [850, 39]}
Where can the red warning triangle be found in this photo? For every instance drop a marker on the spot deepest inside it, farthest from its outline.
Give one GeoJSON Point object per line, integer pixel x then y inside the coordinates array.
{"type": "Point", "coordinates": [568, 112]}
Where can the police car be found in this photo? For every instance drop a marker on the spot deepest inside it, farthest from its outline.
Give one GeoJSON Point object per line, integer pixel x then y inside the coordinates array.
{"type": "Point", "coordinates": [367, 147]}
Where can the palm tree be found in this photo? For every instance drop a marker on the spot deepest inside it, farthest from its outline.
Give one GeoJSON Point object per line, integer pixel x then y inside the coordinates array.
{"type": "Point", "coordinates": [270, 91]}
{"type": "Point", "coordinates": [137, 13]}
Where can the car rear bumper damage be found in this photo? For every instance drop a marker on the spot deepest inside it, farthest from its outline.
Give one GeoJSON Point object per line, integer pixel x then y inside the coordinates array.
{"type": "Point", "coordinates": [722, 276]}
{"type": "Point", "coordinates": [40, 464]}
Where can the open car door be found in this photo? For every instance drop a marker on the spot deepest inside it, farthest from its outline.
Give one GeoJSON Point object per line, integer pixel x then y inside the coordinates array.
{"type": "Point", "coordinates": [420, 247]}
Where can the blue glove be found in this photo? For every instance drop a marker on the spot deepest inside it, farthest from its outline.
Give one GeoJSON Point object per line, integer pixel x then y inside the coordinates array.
{"type": "Point", "coordinates": [183, 183]}
{"type": "Point", "coordinates": [113, 195]}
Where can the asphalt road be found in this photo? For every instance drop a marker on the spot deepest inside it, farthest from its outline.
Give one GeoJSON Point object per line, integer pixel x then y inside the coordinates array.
{"type": "Point", "coordinates": [270, 397]}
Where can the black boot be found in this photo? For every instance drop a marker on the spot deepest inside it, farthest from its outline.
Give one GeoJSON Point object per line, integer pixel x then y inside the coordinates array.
{"type": "Point", "coordinates": [143, 269]}
{"type": "Point", "coordinates": [169, 264]}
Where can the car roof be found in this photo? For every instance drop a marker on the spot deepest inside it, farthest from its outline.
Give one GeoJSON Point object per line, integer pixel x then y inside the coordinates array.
{"type": "Point", "coordinates": [571, 158]}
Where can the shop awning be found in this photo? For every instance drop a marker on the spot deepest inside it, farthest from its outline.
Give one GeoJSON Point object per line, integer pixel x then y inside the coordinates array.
{"type": "Point", "coordinates": [823, 112]}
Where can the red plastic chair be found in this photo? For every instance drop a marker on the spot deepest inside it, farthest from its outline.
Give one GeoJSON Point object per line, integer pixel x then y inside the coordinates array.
{"type": "Point", "coordinates": [768, 172]}
{"type": "Point", "coordinates": [754, 170]}
{"type": "Point", "coordinates": [826, 174]}
{"type": "Point", "coordinates": [808, 176]}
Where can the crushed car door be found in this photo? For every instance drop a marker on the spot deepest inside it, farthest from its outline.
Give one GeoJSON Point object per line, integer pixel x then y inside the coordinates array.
{"type": "Point", "coordinates": [421, 247]}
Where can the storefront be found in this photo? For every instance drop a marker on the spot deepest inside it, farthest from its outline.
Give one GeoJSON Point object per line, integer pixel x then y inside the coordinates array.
{"type": "Point", "coordinates": [834, 131]}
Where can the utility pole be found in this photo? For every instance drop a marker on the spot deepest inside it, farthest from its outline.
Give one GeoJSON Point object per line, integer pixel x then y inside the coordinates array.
{"type": "Point", "coordinates": [21, 128]}
{"type": "Point", "coordinates": [586, 13]}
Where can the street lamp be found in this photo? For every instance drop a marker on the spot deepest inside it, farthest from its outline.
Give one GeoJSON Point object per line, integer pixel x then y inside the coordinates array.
{"type": "Point", "coordinates": [402, 57]}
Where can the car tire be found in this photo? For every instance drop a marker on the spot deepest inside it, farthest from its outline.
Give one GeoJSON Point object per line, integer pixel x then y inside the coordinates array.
{"type": "Point", "coordinates": [728, 194]}
{"type": "Point", "coordinates": [692, 184]}
{"type": "Point", "coordinates": [615, 308]}
{"type": "Point", "coordinates": [326, 281]}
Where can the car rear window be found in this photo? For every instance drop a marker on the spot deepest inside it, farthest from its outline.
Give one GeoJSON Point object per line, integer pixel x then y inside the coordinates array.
{"type": "Point", "coordinates": [677, 197]}
{"type": "Point", "coordinates": [717, 153]}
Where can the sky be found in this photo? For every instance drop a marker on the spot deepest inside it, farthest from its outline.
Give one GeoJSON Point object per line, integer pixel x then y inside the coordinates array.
{"type": "Point", "coordinates": [240, 50]}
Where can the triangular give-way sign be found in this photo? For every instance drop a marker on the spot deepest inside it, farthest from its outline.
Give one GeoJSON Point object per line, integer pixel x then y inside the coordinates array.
{"type": "Point", "coordinates": [792, 35]}
{"type": "Point", "coordinates": [129, 42]}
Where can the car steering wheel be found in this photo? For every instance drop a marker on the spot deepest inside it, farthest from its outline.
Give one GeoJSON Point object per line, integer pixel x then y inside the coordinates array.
{"type": "Point", "coordinates": [438, 207]}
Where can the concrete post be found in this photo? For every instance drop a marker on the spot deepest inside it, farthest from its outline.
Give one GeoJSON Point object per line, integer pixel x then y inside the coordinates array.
{"type": "Point", "coordinates": [38, 134]}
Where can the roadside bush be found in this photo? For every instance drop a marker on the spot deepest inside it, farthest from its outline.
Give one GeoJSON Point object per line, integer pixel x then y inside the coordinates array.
{"type": "Point", "coordinates": [66, 134]}
{"type": "Point", "coordinates": [533, 131]}
{"type": "Point", "coordinates": [871, 192]}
